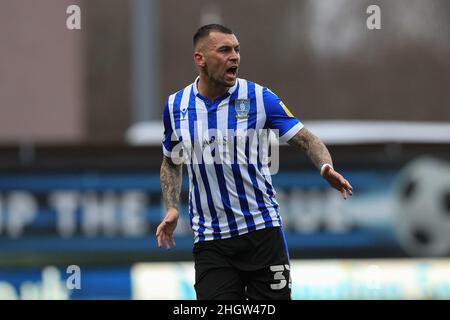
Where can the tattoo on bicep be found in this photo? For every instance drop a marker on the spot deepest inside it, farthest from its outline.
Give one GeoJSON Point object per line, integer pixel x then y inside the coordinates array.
{"type": "Point", "coordinates": [312, 146]}
{"type": "Point", "coordinates": [170, 177]}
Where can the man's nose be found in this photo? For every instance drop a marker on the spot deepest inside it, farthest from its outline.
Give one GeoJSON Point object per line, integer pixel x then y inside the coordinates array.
{"type": "Point", "coordinates": [234, 55]}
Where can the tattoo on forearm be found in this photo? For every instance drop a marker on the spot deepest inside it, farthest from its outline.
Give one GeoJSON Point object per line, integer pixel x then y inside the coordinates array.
{"type": "Point", "coordinates": [170, 177]}
{"type": "Point", "coordinates": [312, 146]}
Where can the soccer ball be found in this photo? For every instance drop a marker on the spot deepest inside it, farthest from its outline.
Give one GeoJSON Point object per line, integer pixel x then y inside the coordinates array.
{"type": "Point", "coordinates": [422, 208]}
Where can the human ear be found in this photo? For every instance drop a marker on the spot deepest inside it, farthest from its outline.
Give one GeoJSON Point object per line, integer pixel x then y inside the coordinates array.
{"type": "Point", "coordinates": [199, 59]}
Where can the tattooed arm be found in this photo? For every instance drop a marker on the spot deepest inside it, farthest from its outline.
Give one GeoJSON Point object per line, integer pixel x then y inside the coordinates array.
{"type": "Point", "coordinates": [316, 150]}
{"type": "Point", "coordinates": [312, 146]}
{"type": "Point", "coordinates": [170, 177]}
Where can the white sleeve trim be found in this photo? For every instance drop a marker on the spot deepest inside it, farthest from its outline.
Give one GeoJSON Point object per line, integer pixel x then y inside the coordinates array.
{"type": "Point", "coordinates": [166, 152]}
{"type": "Point", "coordinates": [291, 132]}
{"type": "Point", "coordinates": [177, 159]}
{"type": "Point", "coordinates": [322, 169]}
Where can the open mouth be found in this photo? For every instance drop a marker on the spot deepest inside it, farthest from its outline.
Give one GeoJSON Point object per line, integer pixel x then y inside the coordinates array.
{"type": "Point", "coordinates": [232, 71]}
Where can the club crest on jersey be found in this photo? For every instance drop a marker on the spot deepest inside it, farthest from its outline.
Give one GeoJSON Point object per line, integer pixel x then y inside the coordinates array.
{"type": "Point", "coordinates": [242, 107]}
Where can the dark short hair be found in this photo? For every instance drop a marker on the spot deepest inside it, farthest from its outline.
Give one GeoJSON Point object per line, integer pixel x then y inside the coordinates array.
{"type": "Point", "coordinates": [205, 30]}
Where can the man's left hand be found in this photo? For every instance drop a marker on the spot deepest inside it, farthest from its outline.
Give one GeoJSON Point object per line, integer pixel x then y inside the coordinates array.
{"type": "Point", "coordinates": [338, 182]}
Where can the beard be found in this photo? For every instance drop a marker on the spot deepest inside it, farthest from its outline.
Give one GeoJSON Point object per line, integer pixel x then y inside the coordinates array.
{"type": "Point", "coordinates": [216, 79]}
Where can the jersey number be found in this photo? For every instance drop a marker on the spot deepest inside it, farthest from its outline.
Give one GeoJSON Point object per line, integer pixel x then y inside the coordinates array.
{"type": "Point", "coordinates": [278, 276]}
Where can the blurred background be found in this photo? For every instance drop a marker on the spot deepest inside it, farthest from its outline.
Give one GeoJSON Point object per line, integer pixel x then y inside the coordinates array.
{"type": "Point", "coordinates": [80, 132]}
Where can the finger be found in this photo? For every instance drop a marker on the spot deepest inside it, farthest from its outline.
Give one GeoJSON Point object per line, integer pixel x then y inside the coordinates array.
{"type": "Point", "coordinates": [344, 193]}
{"type": "Point", "coordinates": [159, 241]}
{"type": "Point", "coordinates": [349, 188]}
{"type": "Point", "coordinates": [166, 243]}
{"type": "Point", "coordinates": [160, 228]}
{"type": "Point", "coordinates": [346, 185]}
{"type": "Point", "coordinates": [173, 242]}
{"type": "Point", "coordinates": [350, 191]}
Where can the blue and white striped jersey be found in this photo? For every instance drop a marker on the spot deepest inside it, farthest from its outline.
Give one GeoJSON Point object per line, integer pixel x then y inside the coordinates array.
{"type": "Point", "coordinates": [230, 194]}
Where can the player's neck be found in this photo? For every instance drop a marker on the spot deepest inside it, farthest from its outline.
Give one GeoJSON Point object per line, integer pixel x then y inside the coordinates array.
{"type": "Point", "coordinates": [209, 89]}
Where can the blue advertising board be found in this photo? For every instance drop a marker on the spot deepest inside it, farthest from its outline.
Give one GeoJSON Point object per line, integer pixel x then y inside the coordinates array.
{"type": "Point", "coordinates": [73, 282]}
{"type": "Point", "coordinates": [104, 212]}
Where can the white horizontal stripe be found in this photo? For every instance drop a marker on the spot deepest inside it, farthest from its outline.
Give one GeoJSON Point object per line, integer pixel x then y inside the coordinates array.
{"type": "Point", "coordinates": [333, 132]}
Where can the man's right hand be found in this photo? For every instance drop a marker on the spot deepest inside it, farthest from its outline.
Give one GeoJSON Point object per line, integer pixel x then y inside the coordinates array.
{"type": "Point", "coordinates": [164, 232]}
